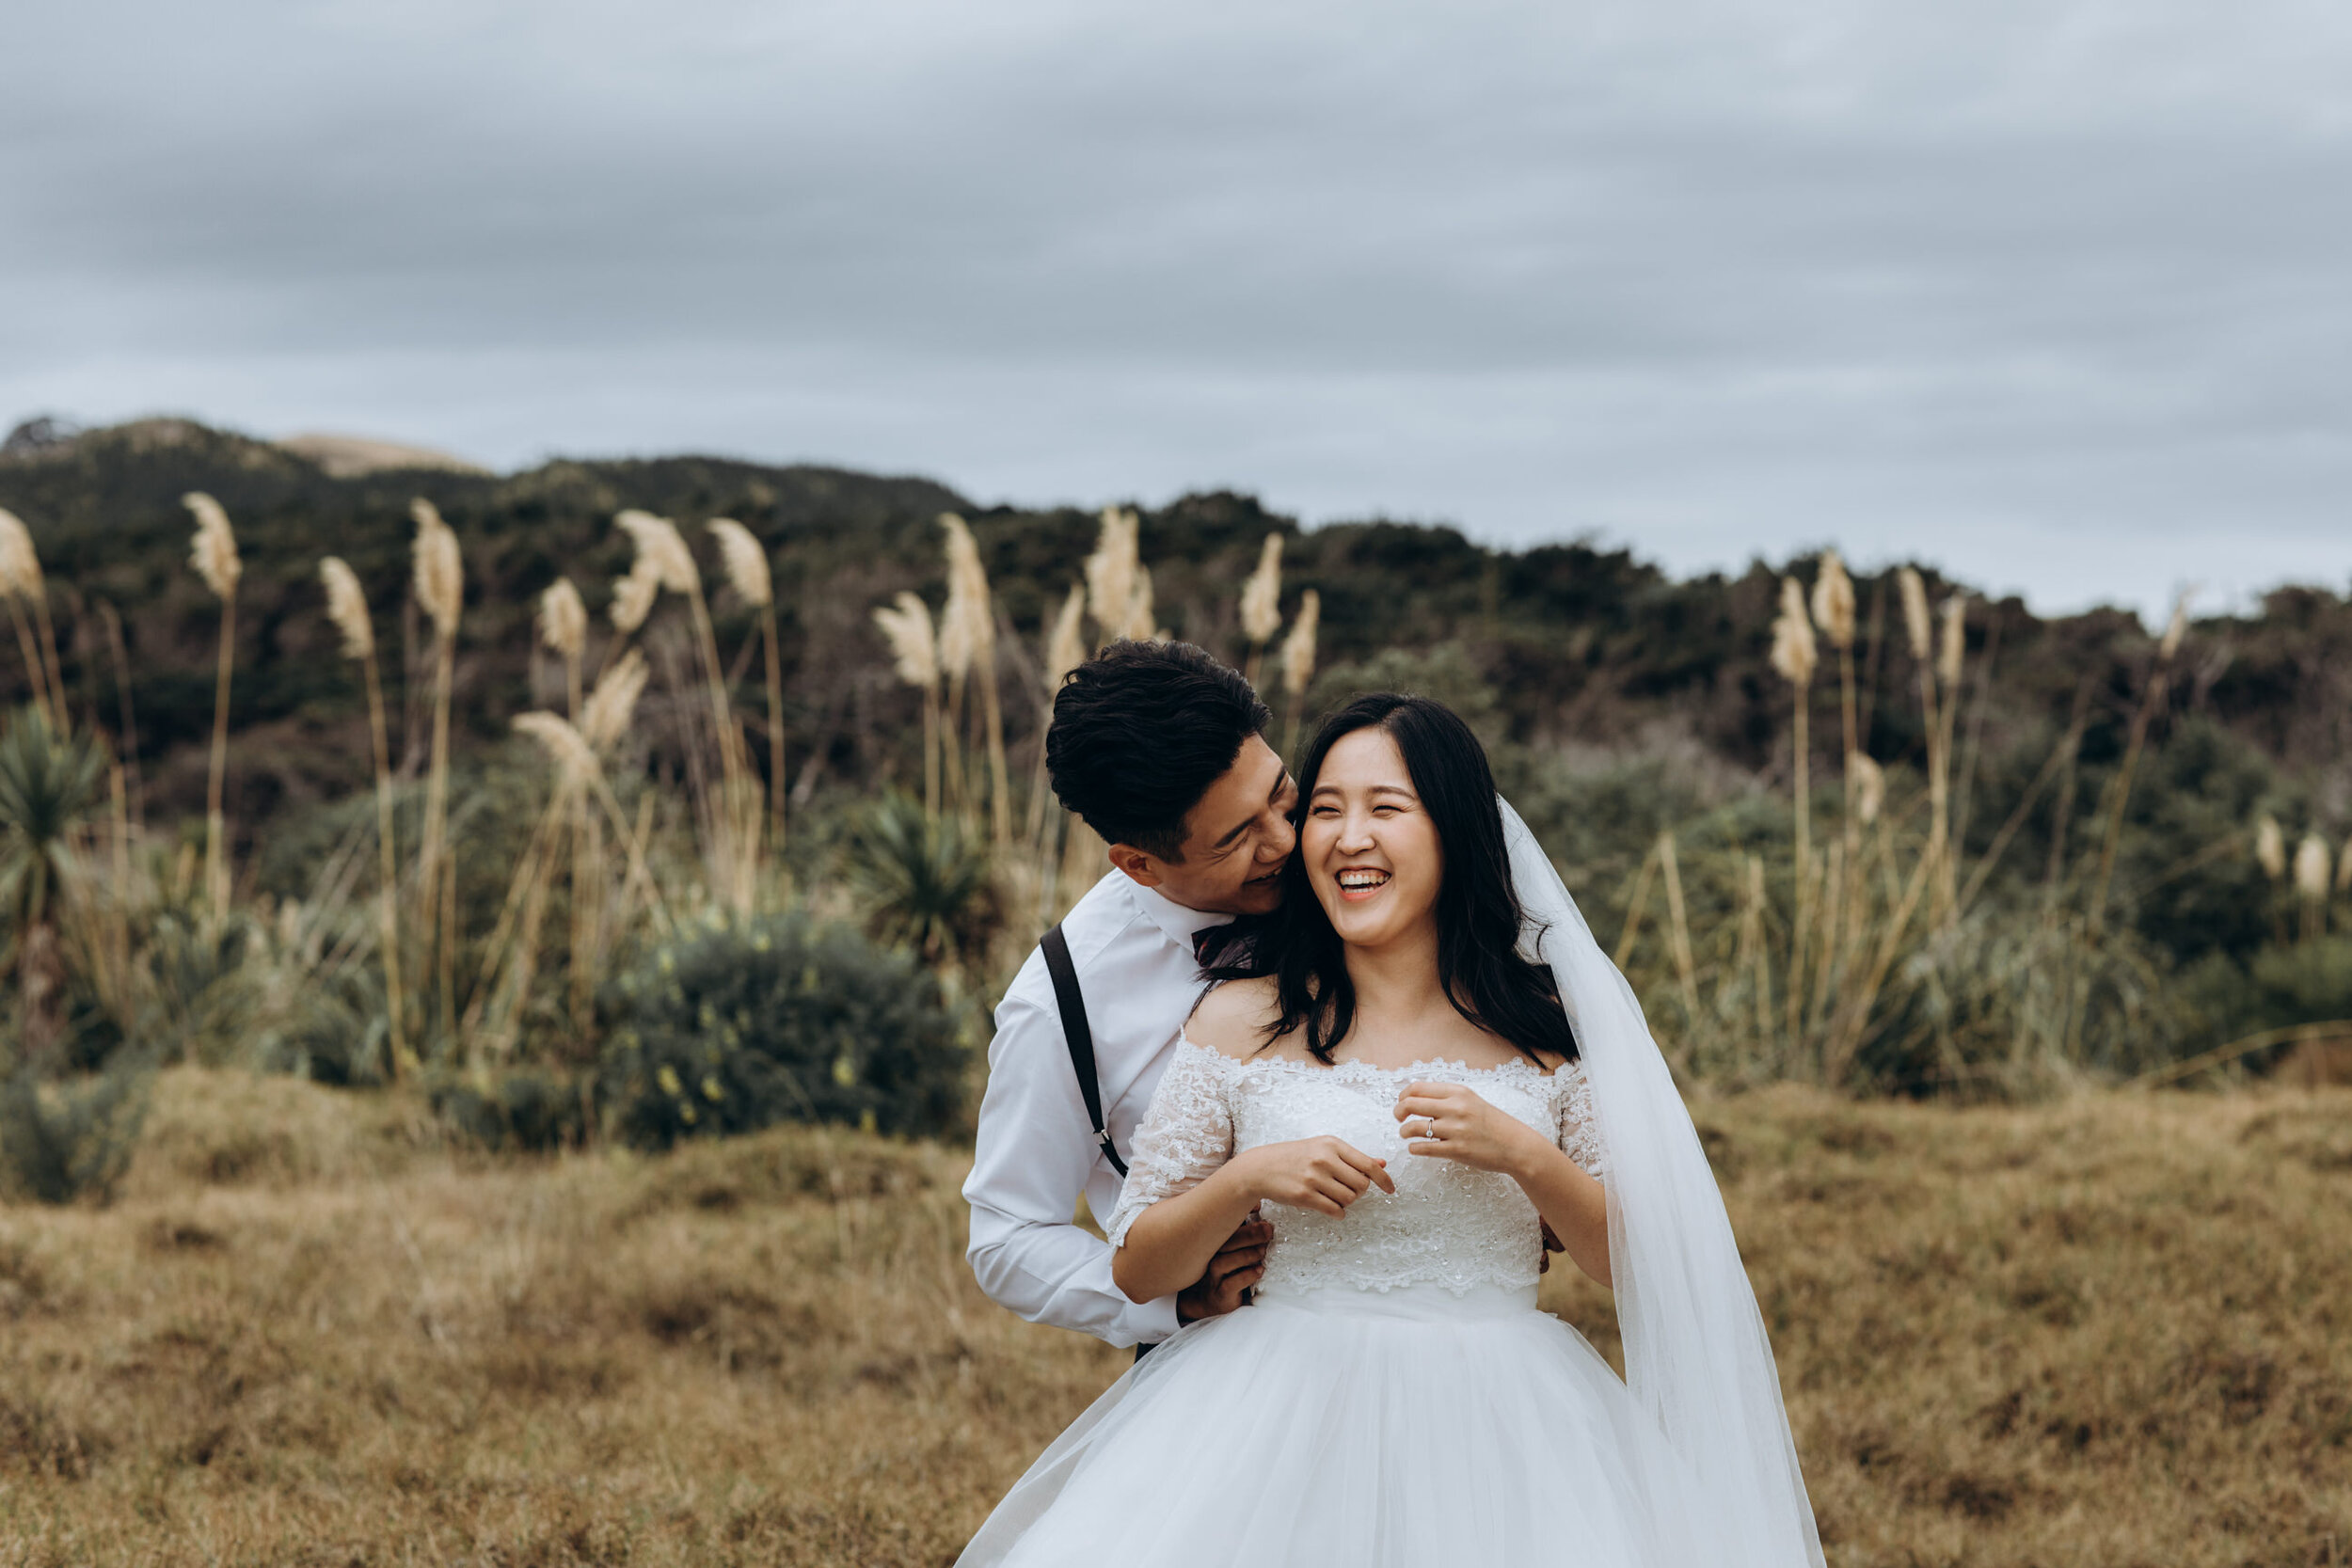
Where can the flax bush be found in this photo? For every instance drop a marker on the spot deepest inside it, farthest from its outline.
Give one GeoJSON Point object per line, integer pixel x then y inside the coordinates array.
{"type": "Point", "coordinates": [778, 1018]}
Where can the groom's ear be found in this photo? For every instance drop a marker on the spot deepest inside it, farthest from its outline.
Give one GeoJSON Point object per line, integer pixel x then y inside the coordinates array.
{"type": "Point", "coordinates": [1138, 864]}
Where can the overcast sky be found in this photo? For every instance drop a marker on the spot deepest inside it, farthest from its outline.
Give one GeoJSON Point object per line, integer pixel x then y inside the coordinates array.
{"type": "Point", "coordinates": [2055, 293]}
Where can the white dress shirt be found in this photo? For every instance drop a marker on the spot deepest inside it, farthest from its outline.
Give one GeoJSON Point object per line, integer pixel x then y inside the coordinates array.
{"type": "Point", "coordinates": [1036, 1153]}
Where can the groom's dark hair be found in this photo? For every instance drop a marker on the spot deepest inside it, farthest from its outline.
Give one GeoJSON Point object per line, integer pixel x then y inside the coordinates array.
{"type": "Point", "coordinates": [1140, 731]}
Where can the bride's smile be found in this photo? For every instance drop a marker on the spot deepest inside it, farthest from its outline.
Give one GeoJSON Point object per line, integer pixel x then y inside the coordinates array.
{"type": "Point", "coordinates": [1371, 853]}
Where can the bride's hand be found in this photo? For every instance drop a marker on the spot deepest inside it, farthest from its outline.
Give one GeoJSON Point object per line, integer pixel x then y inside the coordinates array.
{"type": "Point", "coordinates": [1450, 1122]}
{"type": "Point", "coordinates": [1324, 1174]}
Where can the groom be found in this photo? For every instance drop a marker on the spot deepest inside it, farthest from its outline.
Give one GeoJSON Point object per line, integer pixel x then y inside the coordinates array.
{"type": "Point", "coordinates": [1160, 749]}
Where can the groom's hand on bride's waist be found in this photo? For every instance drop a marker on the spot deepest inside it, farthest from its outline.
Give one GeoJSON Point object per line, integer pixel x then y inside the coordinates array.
{"type": "Point", "coordinates": [1231, 1274]}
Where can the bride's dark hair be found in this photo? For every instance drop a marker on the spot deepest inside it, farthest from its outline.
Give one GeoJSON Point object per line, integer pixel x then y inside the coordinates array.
{"type": "Point", "coordinates": [1477, 912]}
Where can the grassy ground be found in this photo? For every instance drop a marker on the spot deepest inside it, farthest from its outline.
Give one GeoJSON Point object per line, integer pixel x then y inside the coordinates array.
{"type": "Point", "coordinates": [2111, 1331]}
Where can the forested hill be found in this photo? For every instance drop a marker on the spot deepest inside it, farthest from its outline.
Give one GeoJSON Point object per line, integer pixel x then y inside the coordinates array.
{"type": "Point", "coordinates": [1580, 646]}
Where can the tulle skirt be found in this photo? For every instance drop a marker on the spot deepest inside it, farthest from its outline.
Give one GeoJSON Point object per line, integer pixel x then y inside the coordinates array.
{"type": "Point", "coordinates": [1359, 1428]}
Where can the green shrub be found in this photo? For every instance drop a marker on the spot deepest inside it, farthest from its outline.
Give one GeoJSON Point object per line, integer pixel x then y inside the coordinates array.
{"type": "Point", "coordinates": [520, 1108]}
{"type": "Point", "coordinates": [924, 882]}
{"type": "Point", "coordinates": [74, 1138]}
{"type": "Point", "coordinates": [773, 1019]}
{"type": "Point", "coordinates": [2281, 985]}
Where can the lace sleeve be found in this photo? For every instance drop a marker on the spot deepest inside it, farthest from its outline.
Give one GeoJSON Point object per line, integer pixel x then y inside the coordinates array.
{"type": "Point", "coordinates": [1579, 1133]}
{"type": "Point", "coordinates": [1187, 1133]}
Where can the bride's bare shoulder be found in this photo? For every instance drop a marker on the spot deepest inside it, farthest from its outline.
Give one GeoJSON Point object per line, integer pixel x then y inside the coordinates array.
{"type": "Point", "coordinates": [1233, 1018]}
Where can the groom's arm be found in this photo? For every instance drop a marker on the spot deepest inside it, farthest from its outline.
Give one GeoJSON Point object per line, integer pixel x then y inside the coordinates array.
{"type": "Point", "coordinates": [1029, 1165]}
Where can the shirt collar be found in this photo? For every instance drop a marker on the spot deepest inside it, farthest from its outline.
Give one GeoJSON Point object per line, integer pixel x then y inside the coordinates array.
{"type": "Point", "coordinates": [1180, 923]}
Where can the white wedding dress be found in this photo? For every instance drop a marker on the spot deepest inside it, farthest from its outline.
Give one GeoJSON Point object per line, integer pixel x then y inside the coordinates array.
{"type": "Point", "coordinates": [1392, 1397]}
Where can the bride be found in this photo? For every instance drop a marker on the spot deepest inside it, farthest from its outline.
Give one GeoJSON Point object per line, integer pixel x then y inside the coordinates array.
{"type": "Point", "coordinates": [1433, 1062]}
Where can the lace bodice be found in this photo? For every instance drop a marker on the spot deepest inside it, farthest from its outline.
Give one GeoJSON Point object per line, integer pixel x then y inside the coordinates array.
{"type": "Point", "coordinates": [1447, 1224]}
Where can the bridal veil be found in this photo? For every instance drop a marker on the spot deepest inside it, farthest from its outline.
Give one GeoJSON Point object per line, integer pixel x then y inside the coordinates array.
{"type": "Point", "coordinates": [1696, 1356]}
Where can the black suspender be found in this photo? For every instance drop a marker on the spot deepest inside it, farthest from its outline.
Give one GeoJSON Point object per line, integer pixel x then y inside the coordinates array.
{"type": "Point", "coordinates": [1080, 1037]}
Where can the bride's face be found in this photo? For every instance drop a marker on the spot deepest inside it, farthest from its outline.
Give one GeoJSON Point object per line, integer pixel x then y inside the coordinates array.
{"type": "Point", "coordinates": [1371, 852]}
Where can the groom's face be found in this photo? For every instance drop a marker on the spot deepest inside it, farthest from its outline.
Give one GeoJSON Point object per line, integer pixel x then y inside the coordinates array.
{"type": "Point", "coordinates": [1237, 841]}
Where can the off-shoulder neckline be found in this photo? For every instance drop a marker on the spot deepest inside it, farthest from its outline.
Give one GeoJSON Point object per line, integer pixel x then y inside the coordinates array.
{"type": "Point", "coordinates": [1352, 1069]}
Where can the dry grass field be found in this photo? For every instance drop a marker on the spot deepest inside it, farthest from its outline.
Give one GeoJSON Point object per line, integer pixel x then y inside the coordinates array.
{"type": "Point", "coordinates": [2106, 1331]}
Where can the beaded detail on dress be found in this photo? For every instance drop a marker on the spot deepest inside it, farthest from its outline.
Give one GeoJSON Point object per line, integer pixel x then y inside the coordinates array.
{"type": "Point", "coordinates": [1447, 1224]}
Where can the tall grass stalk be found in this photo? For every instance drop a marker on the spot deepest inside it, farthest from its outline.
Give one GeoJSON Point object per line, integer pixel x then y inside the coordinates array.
{"type": "Point", "coordinates": [214, 553]}
{"type": "Point", "coordinates": [2120, 790]}
{"type": "Point", "coordinates": [732, 853]}
{"type": "Point", "coordinates": [1754, 964]}
{"type": "Point", "coordinates": [971, 608]}
{"type": "Point", "coordinates": [1298, 667]}
{"type": "Point", "coordinates": [1111, 571]}
{"type": "Point", "coordinates": [906, 625]}
{"type": "Point", "coordinates": [2311, 884]}
{"type": "Point", "coordinates": [1261, 604]}
{"type": "Point", "coordinates": [563, 630]}
{"type": "Point", "coordinates": [1679, 931]}
{"type": "Point", "coordinates": [1636, 903]}
{"type": "Point", "coordinates": [439, 579]}
{"type": "Point", "coordinates": [563, 621]}
{"type": "Point", "coordinates": [1793, 657]}
{"type": "Point", "coordinates": [1065, 650]}
{"type": "Point", "coordinates": [347, 607]}
{"type": "Point", "coordinates": [747, 572]}
{"type": "Point", "coordinates": [130, 741]}
{"type": "Point", "coordinates": [1834, 883]}
{"type": "Point", "coordinates": [604, 719]}
{"type": "Point", "coordinates": [1851, 1021]}
{"type": "Point", "coordinates": [1950, 652]}
{"type": "Point", "coordinates": [21, 583]}
{"type": "Point", "coordinates": [576, 761]}
{"type": "Point", "coordinates": [957, 636]}
{"type": "Point", "coordinates": [1919, 633]}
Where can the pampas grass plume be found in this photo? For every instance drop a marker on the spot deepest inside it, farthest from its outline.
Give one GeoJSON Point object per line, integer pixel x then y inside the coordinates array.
{"type": "Point", "coordinates": [959, 636]}
{"type": "Point", "coordinates": [634, 595]}
{"type": "Point", "coordinates": [1139, 612]}
{"type": "Point", "coordinates": [20, 563]}
{"type": "Point", "coordinates": [1111, 571]}
{"type": "Point", "coordinates": [566, 746]}
{"type": "Point", "coordinates": [1262, 594]}
{"type": "Point", "coordinates": [347, 606]}
{"type": "Point", "coordinates": [1832, 601]}
{"type": "Point", "coordinates": [1793, 649]}
{"type": "Point", "coordinates": [1870, 783]}
{"type": "Point", "coordinates": [661, 549]}
{"type": "Point", "coordinates": [1955, 644]}
{"type": "Point", "coordinates": [2174, 630]}
{"type": "Point", "coordinates": [213, 551]}
{"type": "Point", "coordinates": [2270, 847]}
{"type": "Point", "coordinates": [1298, 648]}
{"type": "Point", "coordinates": [908, 629]}
{"type": "Point", "coordinates": [967, 629]}
{"type": "Point", "coordinates": [746, 561]}
{"type": "Point", "coordinates": [1916, 623]}
{"type": "Point", "coordinates": [2310, 867]}
{"type": "Point", "coordinates": [562, 619]}
{"type": "Point", "coordinates": [440, 571]}
{"type": "Point", "coordinates": [605, 717]}
{"type": "Point", "coordinates": [1066, 649]}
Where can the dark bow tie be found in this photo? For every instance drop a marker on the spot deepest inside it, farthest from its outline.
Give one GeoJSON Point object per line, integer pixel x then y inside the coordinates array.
{"type": "Point", "coordinates": [1226, 946]}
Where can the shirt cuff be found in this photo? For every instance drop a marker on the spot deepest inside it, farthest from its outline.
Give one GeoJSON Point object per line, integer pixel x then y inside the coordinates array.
{"type": "Point", "coordinates": [1155, 1320]}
